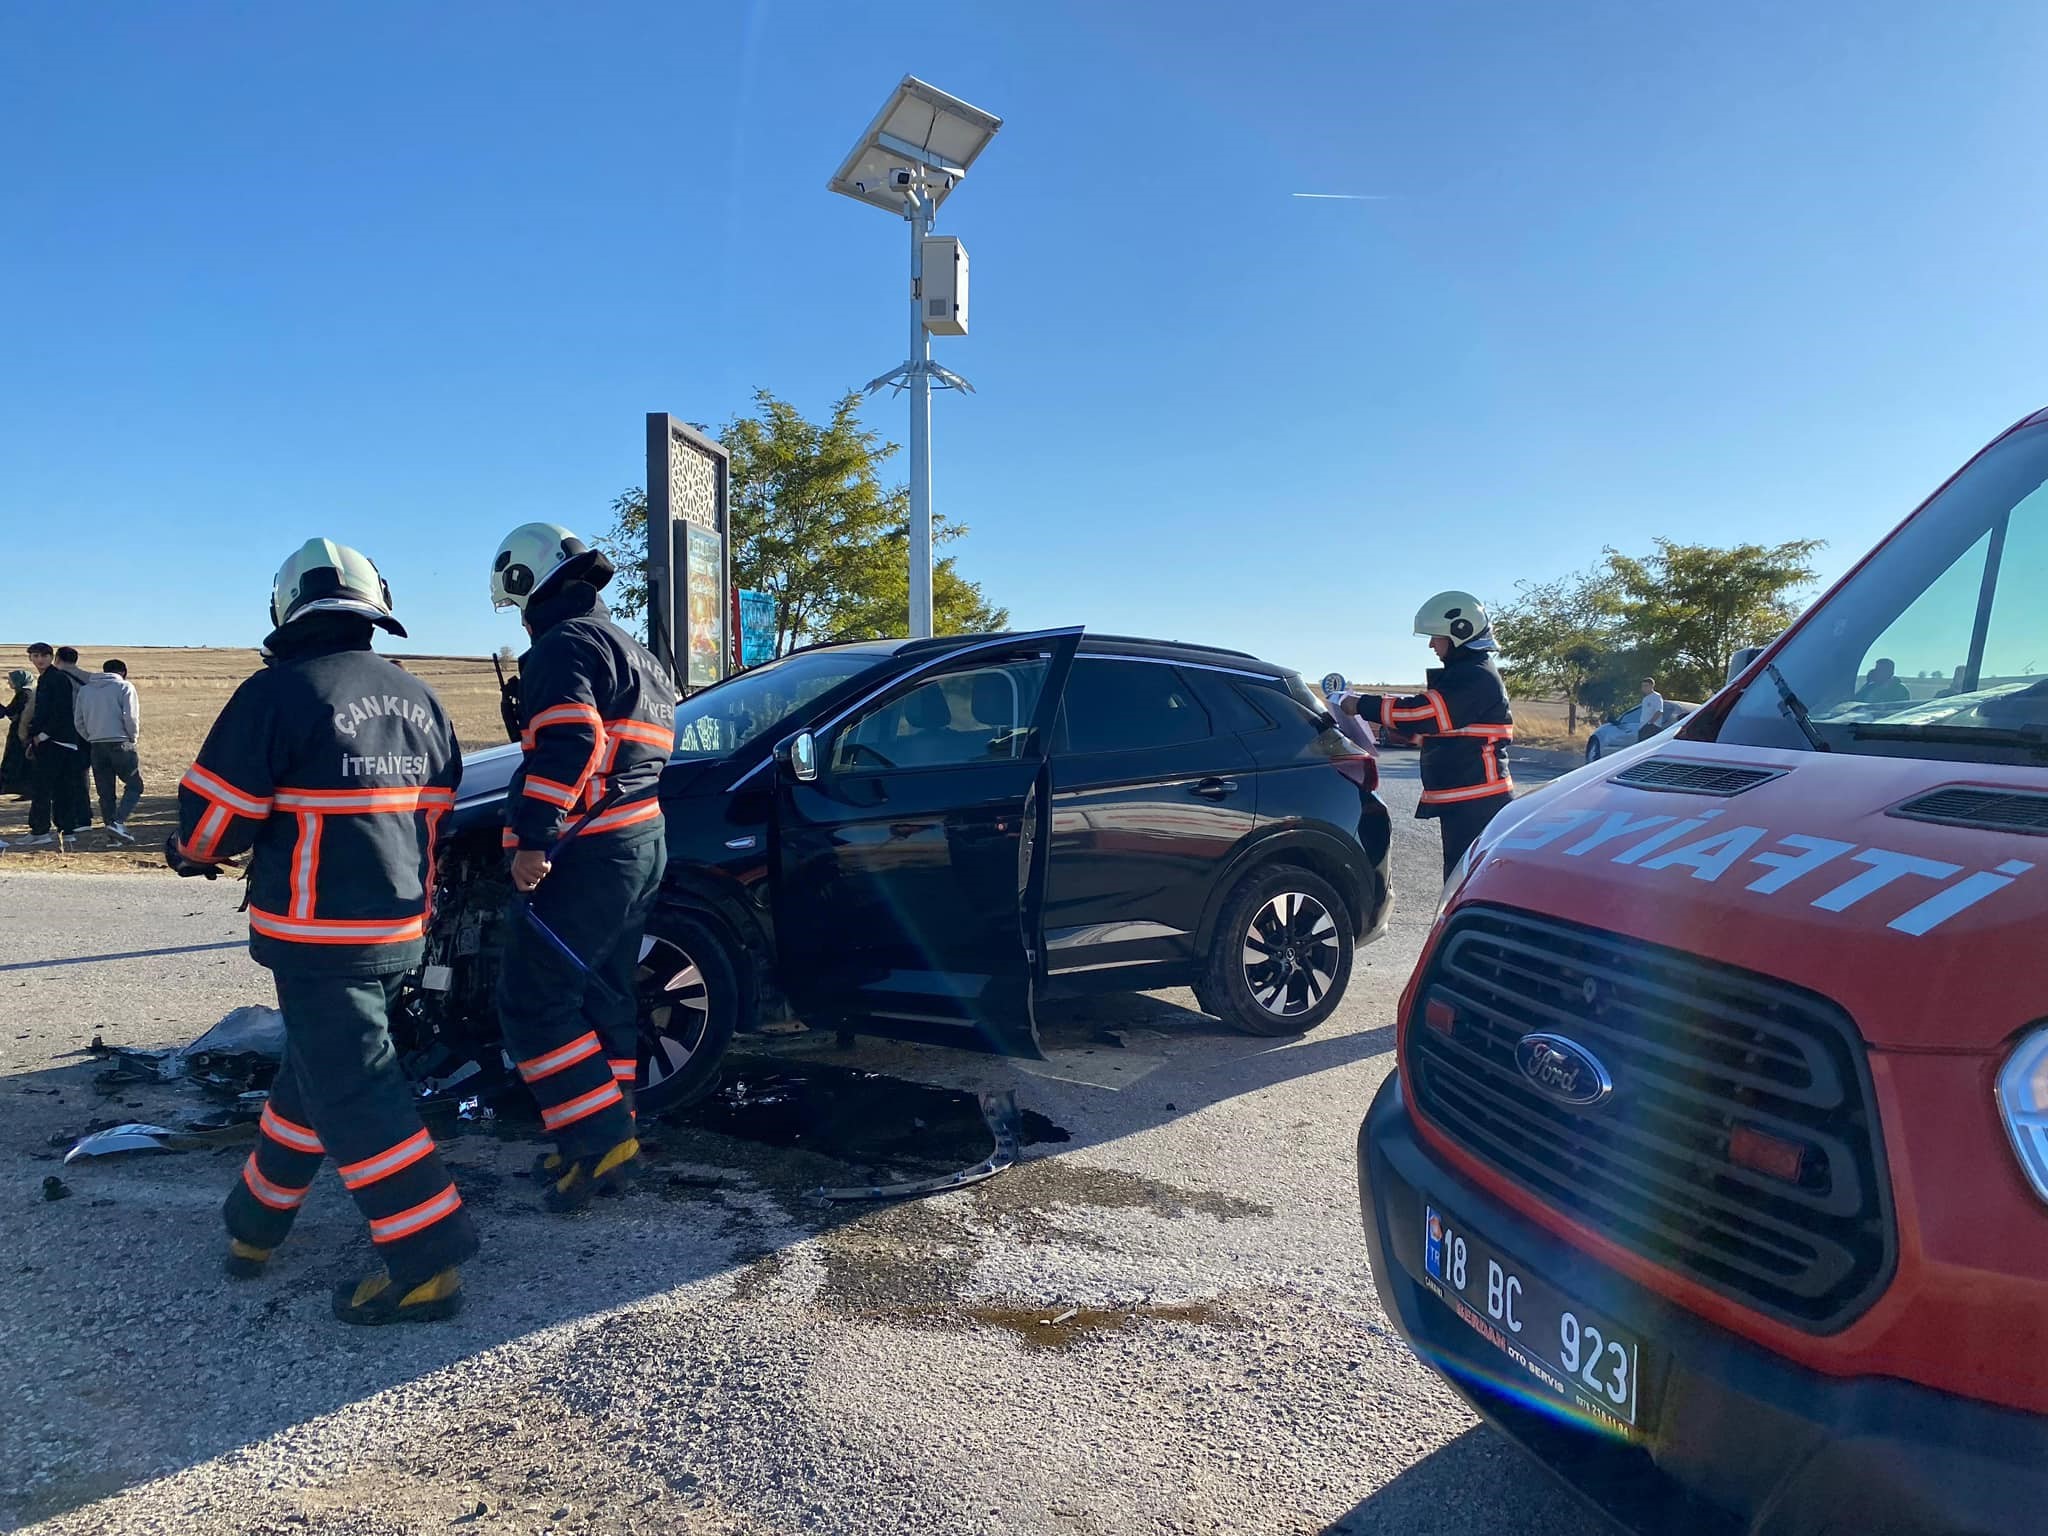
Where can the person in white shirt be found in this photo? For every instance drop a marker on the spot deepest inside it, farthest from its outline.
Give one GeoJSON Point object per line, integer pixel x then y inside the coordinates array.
{"type": "Point", "coordinates": [108, 720]}
{"type": "Point", "coordinates": [1651, 720]}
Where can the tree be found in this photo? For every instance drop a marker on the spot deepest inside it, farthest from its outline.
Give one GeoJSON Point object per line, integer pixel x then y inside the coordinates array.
{"type": "Point", "coordinates": [1691, 606]}
{"type": "Point", "coordinates": [958, 605]}
{"type": "Point", "coordinates": [813, 526]}
{"type": "Point", "coordinates": [1555, 635]}
{"type": "Point", "coordinates": [1676, 615]}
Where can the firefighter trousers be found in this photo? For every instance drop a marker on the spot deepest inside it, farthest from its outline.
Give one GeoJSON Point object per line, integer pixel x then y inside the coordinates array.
{"type": "Point", "coordinates": [1462, 821]}
{"type": "Point", "coordinates": [574, 1033]}
{"type": "Point", "coordinates": [341, 1093]}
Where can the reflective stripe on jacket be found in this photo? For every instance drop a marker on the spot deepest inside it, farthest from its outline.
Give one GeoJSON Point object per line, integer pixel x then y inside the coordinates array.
{"type": "Point", "coordinates": [334, 769]}
{"type": "Point", "coordinates": [599, 719]}
{"type": "Point", "coordinates": [1464, 723]}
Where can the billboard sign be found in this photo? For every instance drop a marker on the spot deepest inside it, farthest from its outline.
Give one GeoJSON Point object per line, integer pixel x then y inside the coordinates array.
{"type": "Point", "coordinates": [757, 628]}
{"type": "Point", "coordinates": [689, 620]}
{"type": "Point", "coordinates": [703, 585]}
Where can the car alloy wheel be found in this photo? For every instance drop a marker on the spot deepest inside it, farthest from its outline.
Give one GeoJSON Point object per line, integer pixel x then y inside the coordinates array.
{"type": "Point", "coordinates": [1593, 749]}
{"type": "Point", "coordinates": [1291, 954]}
{"type": "Point", "coordinates": [675, 1009]}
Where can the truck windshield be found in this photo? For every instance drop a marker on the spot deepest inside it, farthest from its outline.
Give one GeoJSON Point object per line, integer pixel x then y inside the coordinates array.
{"type": "Point", "coordinates": [722, 719]}
{"type": "Point", "coordinates": [1938, 647]}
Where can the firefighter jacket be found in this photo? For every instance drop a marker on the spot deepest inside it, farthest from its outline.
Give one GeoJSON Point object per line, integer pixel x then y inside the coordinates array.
{"type": "Point", "coordinates": [1464, 723]}
{"type": "Point", "coordinates": [336, 768]}
{"type": "Point", "coordinates": [598, 721]}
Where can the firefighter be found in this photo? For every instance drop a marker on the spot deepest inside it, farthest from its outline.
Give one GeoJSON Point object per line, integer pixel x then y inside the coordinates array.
{"type": "Point", "coordinates": [1463, 720]}
{"type": "Point", "coordinates": [334, 769]}
{"type": "Point", "coordinates": [597, 724]}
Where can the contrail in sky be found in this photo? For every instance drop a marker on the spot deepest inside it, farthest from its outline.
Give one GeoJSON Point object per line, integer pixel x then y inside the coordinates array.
{"type": "Point", "coordinates": [1343, 197]}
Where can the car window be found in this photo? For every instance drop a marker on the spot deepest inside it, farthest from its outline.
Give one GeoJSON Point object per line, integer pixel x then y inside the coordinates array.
{"type": "Point", "coordinates": [975, 716]}
{"type": "Point", "coordinates": [1119, 706]}
{"type": "Point", "coordinates": [720, 720]}
{"type": "Point", "coordinates": [1628, 721]}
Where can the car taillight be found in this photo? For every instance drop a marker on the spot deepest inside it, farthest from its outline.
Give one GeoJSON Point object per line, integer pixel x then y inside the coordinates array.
{"type": "Point", "coordinates": [1361, 770]}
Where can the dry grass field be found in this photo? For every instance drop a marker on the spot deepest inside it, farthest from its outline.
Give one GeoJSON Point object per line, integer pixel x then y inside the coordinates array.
{"type": "Point", "coordinates": [180, 692]}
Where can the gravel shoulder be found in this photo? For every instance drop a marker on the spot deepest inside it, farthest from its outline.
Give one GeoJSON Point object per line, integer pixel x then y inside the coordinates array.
{"type": "Point", "coordinates": [720, 1353]}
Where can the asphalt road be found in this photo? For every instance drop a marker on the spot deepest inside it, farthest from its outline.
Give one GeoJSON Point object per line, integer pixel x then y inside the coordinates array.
{"type": "Point", "coordinates": [720, 1352]}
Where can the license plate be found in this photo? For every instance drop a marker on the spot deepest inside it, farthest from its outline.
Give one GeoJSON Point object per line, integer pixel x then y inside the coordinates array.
{"type": "Point", "coordinates": [1577, 1355]}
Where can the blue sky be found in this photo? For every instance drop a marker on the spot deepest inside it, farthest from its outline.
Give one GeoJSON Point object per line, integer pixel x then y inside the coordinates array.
{"type": "Point", "coordinates": [409, 275]}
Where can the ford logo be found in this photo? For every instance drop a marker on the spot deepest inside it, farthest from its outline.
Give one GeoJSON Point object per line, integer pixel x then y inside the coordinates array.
{"type": "Point", "coordinates": [1564, 1069]}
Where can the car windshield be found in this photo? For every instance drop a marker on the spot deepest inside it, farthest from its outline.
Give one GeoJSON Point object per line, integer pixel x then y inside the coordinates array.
{"type": "Point", "coordinates": [722, 719]}
{"type": "Point", "coordinates": [1938, 647]}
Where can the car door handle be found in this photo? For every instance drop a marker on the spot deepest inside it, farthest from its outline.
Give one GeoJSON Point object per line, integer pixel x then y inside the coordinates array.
{"type": "Point", "coordinates": [1214, 789]}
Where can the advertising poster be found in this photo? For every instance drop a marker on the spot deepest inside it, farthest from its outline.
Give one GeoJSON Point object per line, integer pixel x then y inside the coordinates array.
{"type": "Point", "coordinates": [703, 589]}
{"type": "Point", "coordinates": [757, 628]}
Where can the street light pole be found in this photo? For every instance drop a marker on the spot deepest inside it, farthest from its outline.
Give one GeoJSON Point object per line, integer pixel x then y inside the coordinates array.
{"type": "Point", "coordinates": [920, 218]}
{"type": "Point", "coordinates": [909, 161]}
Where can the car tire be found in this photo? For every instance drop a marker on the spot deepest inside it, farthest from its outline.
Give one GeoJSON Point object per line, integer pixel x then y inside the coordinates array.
{"type": "Point", "coordinates": [1592, 749]}
{"type": "Point", "coordinates": [689, 993]}
{"type": "Point", "coordinates": [1281, 953]}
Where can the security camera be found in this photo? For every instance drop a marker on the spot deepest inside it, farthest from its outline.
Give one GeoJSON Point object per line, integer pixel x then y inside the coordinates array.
{"type": "Point", "coordinates": [902, 177]}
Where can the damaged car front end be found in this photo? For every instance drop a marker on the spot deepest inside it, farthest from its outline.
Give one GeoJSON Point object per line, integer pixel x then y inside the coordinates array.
{"type": "Point", "coordinates": [446, 1028]}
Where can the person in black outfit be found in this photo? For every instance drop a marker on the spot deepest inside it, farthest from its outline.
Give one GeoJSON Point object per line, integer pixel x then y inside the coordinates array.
{"type": "Point", "coordinates": [335, 769]}
{"type": "Point", "coordinates": [17, 712]}
{"type": "Point", "coordinates": [58, 763]}
{"type": "Point", "coordinates": [1463, 719]}
{"type": "Point", "coordinates": [597, 721]}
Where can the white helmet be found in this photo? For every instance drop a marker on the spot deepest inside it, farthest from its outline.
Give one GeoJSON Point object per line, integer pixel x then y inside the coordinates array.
{"type": "Point", "coordinates": [535, 554]}
{"type": "Point", "coordinates": [325, 577]}
{"type": "Point", "coordinates": [1457, 616]}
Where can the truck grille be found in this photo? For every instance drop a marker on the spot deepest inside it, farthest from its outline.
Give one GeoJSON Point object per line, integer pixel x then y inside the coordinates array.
{"type": "Point", "coordinates": [1701, 1055]}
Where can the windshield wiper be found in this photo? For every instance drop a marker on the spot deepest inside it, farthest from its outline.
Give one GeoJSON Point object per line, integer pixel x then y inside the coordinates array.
{"type": "Point", "coordinates": [1960, 735]}
{"type": "Point", "coordinates": [1793, 710]}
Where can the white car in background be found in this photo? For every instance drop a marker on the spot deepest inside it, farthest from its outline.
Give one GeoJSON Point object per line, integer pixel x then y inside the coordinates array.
{"type": "Point", "coordinates": [1622, 730]}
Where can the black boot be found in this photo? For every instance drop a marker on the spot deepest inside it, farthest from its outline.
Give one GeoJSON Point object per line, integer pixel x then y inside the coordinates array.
{"type": "Point", "coordinates": [376, 1299]}
{"type": "Point", "coordinates": [577, 1181]}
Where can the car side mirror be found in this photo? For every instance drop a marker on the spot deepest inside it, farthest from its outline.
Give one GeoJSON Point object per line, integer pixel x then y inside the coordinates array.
{"type": "Point", "coordinates": [799, 755]}
{"type": "Point", "coordinates": [1740, 662]}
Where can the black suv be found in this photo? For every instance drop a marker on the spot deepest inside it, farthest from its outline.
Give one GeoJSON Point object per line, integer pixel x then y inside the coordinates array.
{"type": "Point", "coordinates": [923, 837]}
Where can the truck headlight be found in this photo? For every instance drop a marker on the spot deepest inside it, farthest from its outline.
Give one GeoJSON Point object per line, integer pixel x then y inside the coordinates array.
{"type": "Point", "coordinates": [2023, 1103]}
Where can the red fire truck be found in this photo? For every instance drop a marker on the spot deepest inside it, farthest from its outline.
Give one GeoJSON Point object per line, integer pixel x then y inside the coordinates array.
{"type": "Point", "coordinates": [1715, 1170]}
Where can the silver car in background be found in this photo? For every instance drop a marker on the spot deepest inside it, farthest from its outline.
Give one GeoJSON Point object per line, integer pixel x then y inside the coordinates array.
{"type": "Point", "coordinates": [1624, 728]}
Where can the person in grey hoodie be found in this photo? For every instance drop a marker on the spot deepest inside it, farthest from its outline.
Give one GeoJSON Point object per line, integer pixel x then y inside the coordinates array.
{"type": "Point", "coordinates": [109, 718]}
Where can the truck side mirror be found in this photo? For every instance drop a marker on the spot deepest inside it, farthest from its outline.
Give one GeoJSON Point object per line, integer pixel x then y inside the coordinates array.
{"type": "Point", "coordinates": [799, 754]}
{"type": "Point", "coordinates": [1739, 663]}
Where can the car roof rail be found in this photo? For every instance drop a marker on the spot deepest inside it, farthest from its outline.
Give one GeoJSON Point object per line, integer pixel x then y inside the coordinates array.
{"type": "Point", "coordinates": [1176, 645]}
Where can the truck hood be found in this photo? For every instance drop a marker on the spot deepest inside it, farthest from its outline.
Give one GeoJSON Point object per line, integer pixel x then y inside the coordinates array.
{"type": "Point", "coordinates": [1928, 933]}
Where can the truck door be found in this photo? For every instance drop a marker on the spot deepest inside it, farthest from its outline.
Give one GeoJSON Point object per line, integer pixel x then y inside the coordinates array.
{"type": "Point", "coordinates": [910, 862]}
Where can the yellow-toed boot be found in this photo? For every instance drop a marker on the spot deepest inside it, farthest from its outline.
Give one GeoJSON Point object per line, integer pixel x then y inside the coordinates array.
{"type": "Point", "coordinates": [578, 1180]}
{"type": "Point", "coordinates": [376, 1299]}
{"type": "Point", "coordinates": [245, 1261]}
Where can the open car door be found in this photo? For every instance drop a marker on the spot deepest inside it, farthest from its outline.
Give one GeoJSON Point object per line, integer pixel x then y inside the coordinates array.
{"type": "Point", "coordinates": [910, 848]}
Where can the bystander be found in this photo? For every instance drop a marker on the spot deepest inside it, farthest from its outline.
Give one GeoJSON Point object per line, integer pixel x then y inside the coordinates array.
{"type": "Point", "coordinates": [108, 722]}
